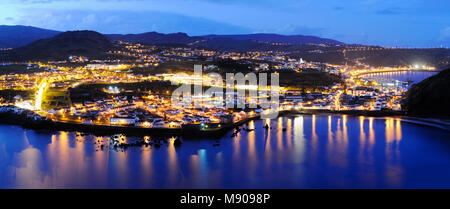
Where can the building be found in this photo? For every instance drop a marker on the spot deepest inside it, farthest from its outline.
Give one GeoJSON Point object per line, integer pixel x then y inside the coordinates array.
{"type": "Point", "coordinates": [122, 121]}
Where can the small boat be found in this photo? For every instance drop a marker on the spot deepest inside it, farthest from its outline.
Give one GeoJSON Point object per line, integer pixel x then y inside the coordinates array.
{"type": "Point", "coordinates": [146, 139]}
{"type": "Point", "coordinates": [266, 126]}
{"type": "Point", "coordinates": [284, 129]}
{"type": "Point", "coordinates": [117, 138]}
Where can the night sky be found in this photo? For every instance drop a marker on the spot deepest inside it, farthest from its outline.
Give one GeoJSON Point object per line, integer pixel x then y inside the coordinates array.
{"type": "Point", "coordinates": [405, 23]}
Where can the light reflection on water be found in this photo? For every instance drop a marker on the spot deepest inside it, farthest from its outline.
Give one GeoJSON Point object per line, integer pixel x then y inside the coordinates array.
{"type": "Point", "coordinates": [296, 152]}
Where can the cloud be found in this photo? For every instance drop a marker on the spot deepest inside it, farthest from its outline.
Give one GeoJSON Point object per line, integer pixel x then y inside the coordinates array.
{"type": "Point", "coordinates": [126, 22]}
{"type": "Point", "coordinates": [89, 20]}
{"type": "Point", "coordinates": [9, 19]}
{"type": "Point", "coordinates": [385, 22]}
{"type": "Point", "coordinates": [290, 29]}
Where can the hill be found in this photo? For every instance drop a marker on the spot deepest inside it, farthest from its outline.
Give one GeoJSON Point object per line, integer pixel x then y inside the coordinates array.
{"type": "Point", "coordinates": [390, 57]}
{"type": "Point", "coordinates": [18, 35]}
{"type": "Point", "coordinates": [61, 46]}
{"type": "Point", "coordinates": [376, 55]}
{"type": "Point", "coordinates": [431, 97]}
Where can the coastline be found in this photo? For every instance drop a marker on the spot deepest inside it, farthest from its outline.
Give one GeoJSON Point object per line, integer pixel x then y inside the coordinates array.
{"type": "Point", "coordinates": [105, 130]}
{"type": "Point", "coordinates": [432, 122]}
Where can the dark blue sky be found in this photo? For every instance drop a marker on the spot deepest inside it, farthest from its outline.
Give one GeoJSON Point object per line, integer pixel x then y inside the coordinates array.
{"type": "Point", "coordinates": [406, 23]}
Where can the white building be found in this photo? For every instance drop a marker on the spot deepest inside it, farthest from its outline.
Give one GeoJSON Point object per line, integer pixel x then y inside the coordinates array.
{"type": "Point", "coordinates": [122, 121]}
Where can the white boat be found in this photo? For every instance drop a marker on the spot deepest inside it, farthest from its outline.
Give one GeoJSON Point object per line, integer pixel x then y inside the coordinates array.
{"type": "Point", "coordinates": [117, 139]}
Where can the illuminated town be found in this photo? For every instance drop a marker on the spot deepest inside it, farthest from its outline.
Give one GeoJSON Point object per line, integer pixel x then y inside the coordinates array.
{"type": "Point", "coordinates": [186, 96]}
{"type": "Point", "coordinates": [51, 81]}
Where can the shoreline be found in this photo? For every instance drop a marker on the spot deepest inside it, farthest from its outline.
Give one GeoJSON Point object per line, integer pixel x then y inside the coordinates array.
{"type": "Point", "coordinates": [188, 131]}
{"type": "Point", "coordinates": [193, 131]}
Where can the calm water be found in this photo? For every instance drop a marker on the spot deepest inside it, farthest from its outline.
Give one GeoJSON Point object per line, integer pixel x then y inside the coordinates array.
{"type": "Point", "coordinates": [313, 152]}
{"type": "Point", "coordinates": [414, 76]}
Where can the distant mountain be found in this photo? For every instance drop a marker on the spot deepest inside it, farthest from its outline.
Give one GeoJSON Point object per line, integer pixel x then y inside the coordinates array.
{"type": "Point", "coordinates": [228, 44]}
{"type": "Point", "coordinates": [224, 42]}
{"type": "Point", "coordinates": [431, 97]}
{"type": "Point", "coordinates": [81, 43]}
{"type": "Point", "coordinates": [155, 38]}
{"type": "Point", "coordinates": [183, 38]}
{"type": "Point", "coordinates": [16, 36]}
{"type": "Point", "coordinates": [276, 38]}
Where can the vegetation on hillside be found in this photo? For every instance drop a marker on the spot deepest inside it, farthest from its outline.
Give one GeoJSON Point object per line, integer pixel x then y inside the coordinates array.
{"type": "Point", "coordinates": [431, 97]}
{"type": "Point", "coordinates": [80, 43]}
